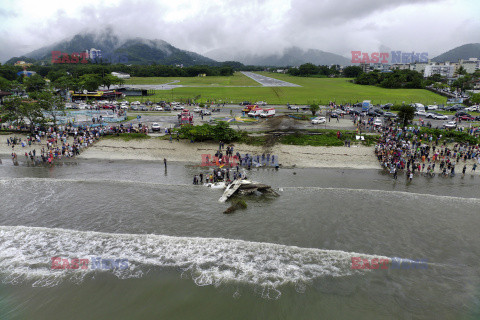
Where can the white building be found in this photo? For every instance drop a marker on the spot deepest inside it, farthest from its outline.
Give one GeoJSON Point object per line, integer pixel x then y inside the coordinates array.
{"type": "Point", "coordinates": [445, 70]}
{"type": "Point", "coordinates": [121, 75]}
{"type": "Point", "coordinates": [94, 53]}
{"type": "Point", "coordinates": [469, 65]}
{"type": "Point", "coordinates": [418, 66]}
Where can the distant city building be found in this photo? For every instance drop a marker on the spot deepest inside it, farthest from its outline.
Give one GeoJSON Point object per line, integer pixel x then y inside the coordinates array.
{"type": "Point", "coordinates": [469, 65]}
{"type": "Point", "coordinates": [94, 53]}
{"type": "Point", "coordinates": [121, 75]}
{"type": "Point", "coordinates": [445, 70]}
{"type": "Point", "coordinates": [419, 67]}
{"type": "Point", "coordinates": [22, 64]}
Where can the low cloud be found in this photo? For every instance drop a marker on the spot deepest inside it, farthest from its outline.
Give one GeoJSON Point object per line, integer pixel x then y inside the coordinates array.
{"type": "Point", "coordinates": [256, 26]}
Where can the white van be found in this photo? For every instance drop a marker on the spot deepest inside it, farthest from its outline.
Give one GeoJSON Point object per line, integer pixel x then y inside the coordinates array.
{"type": "Point", "coordinates": [255, 112]}
{"type": "Point", "coordinates": [267, 113]}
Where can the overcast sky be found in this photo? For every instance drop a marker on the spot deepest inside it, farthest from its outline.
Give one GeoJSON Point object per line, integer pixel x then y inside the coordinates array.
{"type": "Point", "coordinates": [338, 26]}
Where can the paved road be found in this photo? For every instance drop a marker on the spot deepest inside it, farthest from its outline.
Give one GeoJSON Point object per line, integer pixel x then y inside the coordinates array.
{"type": "Point", "coordinates": [267, 81]}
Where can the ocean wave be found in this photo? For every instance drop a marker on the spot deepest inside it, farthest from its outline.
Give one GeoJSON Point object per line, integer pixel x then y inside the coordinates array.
{"type": "Point", "coordinates": [413, 195]}
{"type": "Point", "coordinates": [26, 255]}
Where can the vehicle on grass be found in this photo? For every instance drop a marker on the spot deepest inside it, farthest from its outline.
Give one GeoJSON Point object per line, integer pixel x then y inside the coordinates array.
{"type": "Point", "coordinates": [432, 107]}
{"type": "Point", "coordinates": [319, 120]}
{"type": "Point", "coordinates": [156, 126]}
{"type": "Point", "coordinates": [266, 113]}
{"type": "Point", "coordinates": [387, 106]}
{"type": "Point", "coordinates": [473, 108]}
{"type": "Point", "coordinates": [450, 125]}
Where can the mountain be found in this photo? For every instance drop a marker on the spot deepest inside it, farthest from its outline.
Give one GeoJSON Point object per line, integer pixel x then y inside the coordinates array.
{"type": "Point", "coordinates": [471, 50]}
{"type": "Point", "coordinates": [292, 56]}
{"type": "Point", "coordinates": [136, 50]}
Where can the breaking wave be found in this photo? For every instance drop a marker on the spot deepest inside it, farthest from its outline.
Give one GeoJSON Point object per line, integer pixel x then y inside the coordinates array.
{"type": "Point", "coordinates": [26, 255]}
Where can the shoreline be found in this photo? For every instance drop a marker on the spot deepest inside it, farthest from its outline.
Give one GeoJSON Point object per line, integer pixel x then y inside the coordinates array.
{"type": "Point", "coordinates": [290, 156]}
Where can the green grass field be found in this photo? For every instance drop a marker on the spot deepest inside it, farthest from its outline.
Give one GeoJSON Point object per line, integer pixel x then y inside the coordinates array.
{"type": "Point", "coordinates": [312, 90]}
{"type": "Point", "coordinates": [238, 79]}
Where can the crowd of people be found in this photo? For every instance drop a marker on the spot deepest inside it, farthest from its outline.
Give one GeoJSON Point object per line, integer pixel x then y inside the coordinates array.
{"type": "Point", "coordinates": [54, 143]}
{"type": "Point", "coordinates": [412, 151]}
{"type": "Point", "coordinates": [227, 175]}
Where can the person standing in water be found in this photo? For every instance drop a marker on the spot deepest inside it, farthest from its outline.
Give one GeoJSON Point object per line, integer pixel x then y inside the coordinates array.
{"type": "Point", "coordinates": [165, 162]}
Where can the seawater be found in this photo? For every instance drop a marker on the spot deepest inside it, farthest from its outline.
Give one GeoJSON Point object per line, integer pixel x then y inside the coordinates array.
{"type": "Point", "coordinates": [282, 257]}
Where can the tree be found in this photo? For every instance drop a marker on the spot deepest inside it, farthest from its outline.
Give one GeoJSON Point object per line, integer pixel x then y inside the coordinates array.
{"type": "Point", "coordinates": [460, 71]}
{"type": "Point", "coordinates": [5, 85]}
{"type": "Point", "coordinates": [475, 98]}
{"type": "Point", "coordinates": [109, 80]}
{"type": "Point", "coordinates": [90, 82]}
{"type": "Point", "coordinates": [406, 114]}
{"type": "Point", "coordinates": [352, 71]}
{"type": "Point", "coordinates": [34, 83]}
{"type": "Point", "coordinates": [314, 109]}
{"type": "Point", "coordinates": [51, 104]}
{"type": "Point", "coordinates": [66, 83]}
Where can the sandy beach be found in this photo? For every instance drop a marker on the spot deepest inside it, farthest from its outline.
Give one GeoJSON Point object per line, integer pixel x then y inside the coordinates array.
{"type": "Point", "coordinates": [358, 157]}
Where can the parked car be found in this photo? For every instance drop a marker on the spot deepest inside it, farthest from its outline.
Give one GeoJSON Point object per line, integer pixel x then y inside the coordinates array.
{"type": "Point", "coordinates": [387, 106]}
{"type": "Point", "coordinates": [261, 103]}
{"type": "Point", "coordinates": [318, 120]}
{"type": "Point", "coordinates": [197, 109]}
{"type": "Point", "coordinates": [167, 108]}
{"type": "Point", "coordinates": [460, 113]}
{"type": "Point", "coordinates": [377, 122]}
{"type": "Point", "coordinates": [206, 112]}
{"type": "Point", "coordinates": [466, 117]}
{"type": "Point", "coordinates": [437, 116]}
{"type": "Point", "coordinates": [432, 107]}
{"type": "Point", "coordinates": [389, 115]}
{"type": "Point", "coordinates": [177, 107]}
{"type": "Point", "coordinates": [290, 107]}
{"type": "Point", "coordinates": [245, 103]}
{"type": "Point", "coordinates": [158, 108]}
{"type": "Point", "coordinates": [450, 125]}
{"type": "Point", "coordinates": [143, 108]}
{"type": "Point", "coordinates": [156, 126]}
{"type": "Point", "coordinates": [266, 113]}
{"type": "Point", "coordinates": [473, 108]}
{"type": "Point", "coordinates": [421, 113]}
